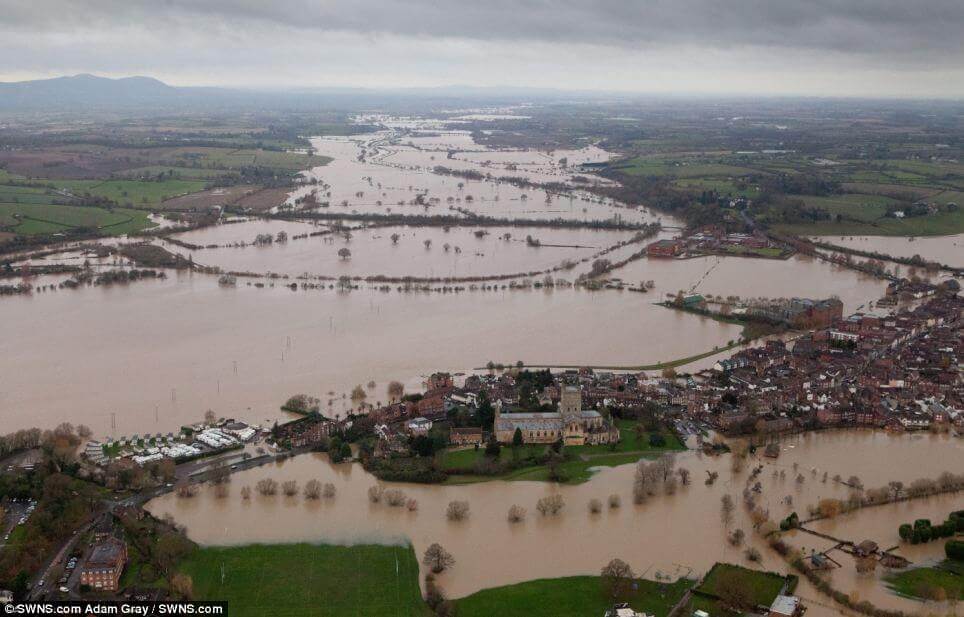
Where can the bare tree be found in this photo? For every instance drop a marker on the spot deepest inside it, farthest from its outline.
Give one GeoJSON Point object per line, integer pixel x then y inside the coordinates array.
{"type": "Point", "coordinates": [329, 491]}
{"type": "Point", "coordinates": [615, 501]}
{"type": "Point", "coordinates": [550, 505]}
{"type": "Point", "coordinates": [395, 390]}
{"type": "Point", "coordinates": [375, 493]}
{"type": "Point", "coordinates": [595, 506]}
{"type": "Point", "coordinates": [437, 558]}
{"type": "Point", "coordinates": [312, 489]}
{"type": "Point", "coordinates": [246, 492]}
{"type": "Point", "coordinates": [457, 510]}
{"type": "Point", "coordinates": [395, 498]}
{"type": "Point", "coordinates": [617, 579]}
{"type": "Point", "coordinates": [267, 487]}
{"type": "Point", "coordinates": [289, 488]}
{"type": "Point", "coordinates": [517, 514]}
{"type": "Point", "coordinates": [726, 509]}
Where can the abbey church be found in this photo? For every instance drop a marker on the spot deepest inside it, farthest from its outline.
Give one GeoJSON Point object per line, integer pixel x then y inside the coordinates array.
{"type": "Point", "coordinates": [573, 424]}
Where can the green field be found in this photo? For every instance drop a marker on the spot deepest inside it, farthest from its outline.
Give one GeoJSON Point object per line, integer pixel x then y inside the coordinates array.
{"type": "Point", "coordinates": [856, 205]}
{"type": "Point", "coordinates": [680, 168]}
{"type": "Point", "coordinates": [722, 187]}
{"type": "Point", "coordinates": [133, 193]}
{"type": "Point", "coordinates": [942, 224]}
{"type": "Point", "coordinates": [32, 219]}
{"type": "Point", "coordinates": [577, 468]}
{"type": "Point", "coordinates": [309, 579]}
{"type": "Point", "coordinates": [922, 583]}
{"type": "Point", "coordinates": [573, 596]}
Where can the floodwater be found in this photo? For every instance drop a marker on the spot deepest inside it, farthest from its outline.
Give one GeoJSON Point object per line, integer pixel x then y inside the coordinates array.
{"type": "Point", "coordinates": [947, 250]}
{"type": "Point", "coordinates": [392, 174]}
{"type": "Point", "coordinates": [180, 346]}
{"type": "Point", "coordinates": [457, 252]}
{"type": "Point", "coordinates": [800, 276]}
{"type": "Point", "coordinates": [681, 534]}
{"type": "Point", "coordinates": [879, 524]}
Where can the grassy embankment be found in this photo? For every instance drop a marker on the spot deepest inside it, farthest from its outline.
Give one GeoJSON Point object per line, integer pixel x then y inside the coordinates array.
{"type": "Point", "coordinates": [309, 579]}
{"type": "Point", "coordinates": [577, 466]}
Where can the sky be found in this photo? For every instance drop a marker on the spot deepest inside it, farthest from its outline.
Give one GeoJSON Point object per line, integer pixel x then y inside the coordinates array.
{"type": "Point", "coordinates": [877, 48]}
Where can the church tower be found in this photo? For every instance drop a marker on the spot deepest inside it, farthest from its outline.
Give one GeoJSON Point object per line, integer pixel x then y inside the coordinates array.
{"type": "Point", "coordinates": [570, 404]}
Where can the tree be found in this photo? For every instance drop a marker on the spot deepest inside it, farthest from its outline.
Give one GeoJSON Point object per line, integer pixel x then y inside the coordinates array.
{"type": "Point", "coordinates": [267, 487]}
{"type": "Point", "coordinates": [550, 505]}
{"type": "Point", "coordinates": [437, 558]}
{"type": "Point", "coordinates": [726, 509]}
{"type": "Point", "coordinates": [617, 579]}
{"type": "Point", "coordinates": [395, 238]}
{"type": "Point", "coordinates": [517, 439]}
{"type": "Point", "coordinates": [457, 510]}
{"type": "Point", "coordinates": [492, 448]}
{"type": "Point", "coordinates": [517, 514]}
{"type": "Point", "coordinates": [732, 591]}
{"type": "Point", "coordinates": [358, 394]}
{"type": "Point", "coordinates": [395, 390]}
{"type": "Point", "coordinates": [344, 253]}
{"type": "Point", "coordinates": [313, 489]}
{"type": "Point", "coordinates": [209, 417]}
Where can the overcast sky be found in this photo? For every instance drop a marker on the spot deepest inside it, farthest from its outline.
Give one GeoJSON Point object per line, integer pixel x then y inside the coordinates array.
{"type": "Point", "coordinates": [814, 47]}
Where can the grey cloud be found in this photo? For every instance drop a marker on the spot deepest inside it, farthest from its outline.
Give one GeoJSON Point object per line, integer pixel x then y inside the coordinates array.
{"type": "Point", "coordinates": [885, 27]}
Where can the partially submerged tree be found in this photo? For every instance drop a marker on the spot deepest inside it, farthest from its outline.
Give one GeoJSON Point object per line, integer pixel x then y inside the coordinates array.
{"type": "Point", "coordinates": [437, 558]}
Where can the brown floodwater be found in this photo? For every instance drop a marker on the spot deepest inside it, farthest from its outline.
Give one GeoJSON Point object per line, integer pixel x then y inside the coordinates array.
{"type": "Point", "coordinates": [799, 276]}
{"type": "Point", "coordinates": [394, 172]}
{"type": "Point", "coordinates": [170, 349]}
{"type": "Point", "coordinates": [457, 252]}
{"type": "Point", "coordinates": [681, 534]}
{"type": "Point", "coordinates": [944, 249]}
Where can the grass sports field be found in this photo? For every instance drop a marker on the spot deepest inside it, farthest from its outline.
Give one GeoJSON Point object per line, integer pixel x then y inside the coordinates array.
{"type": "Point", "coordinates": [309, 580]}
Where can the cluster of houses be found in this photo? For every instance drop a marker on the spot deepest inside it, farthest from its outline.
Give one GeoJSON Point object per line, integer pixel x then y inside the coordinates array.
{"type": "Point", "coordinates": [899, 371]}
{"type": "Point", "coordinates": [713, 239]}
{"type": "Point", "coordinates": [896, 371]}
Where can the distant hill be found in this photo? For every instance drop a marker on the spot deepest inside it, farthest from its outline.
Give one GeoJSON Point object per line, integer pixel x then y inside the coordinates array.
{"type": "Point", "coordinates": [87, 91]}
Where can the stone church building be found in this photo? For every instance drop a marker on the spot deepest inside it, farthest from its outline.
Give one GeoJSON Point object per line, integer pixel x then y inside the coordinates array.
{"type": "Point", "coordinates": [573, 424]}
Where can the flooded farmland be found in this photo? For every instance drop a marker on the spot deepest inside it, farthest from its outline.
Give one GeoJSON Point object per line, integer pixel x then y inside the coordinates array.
{"type": "Point", "coordinates": [679, 534]}
{"type": "Point", "coordinates": [947, 250]}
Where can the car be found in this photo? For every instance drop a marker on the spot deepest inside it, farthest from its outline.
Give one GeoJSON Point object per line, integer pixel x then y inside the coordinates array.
{"type": "Point", "coordinates": [41, 583]}
{"type": "Point", "coordinates": [63, 579]}
{"type": "Point", "coordinates": [64, 590]}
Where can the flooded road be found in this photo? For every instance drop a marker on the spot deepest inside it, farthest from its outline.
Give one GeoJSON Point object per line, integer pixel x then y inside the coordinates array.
{"type": "Point", "coordinates": [679, 534]}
